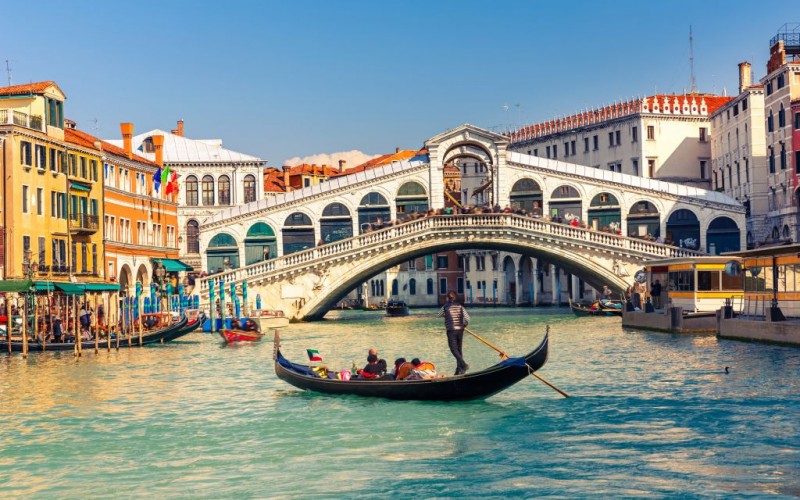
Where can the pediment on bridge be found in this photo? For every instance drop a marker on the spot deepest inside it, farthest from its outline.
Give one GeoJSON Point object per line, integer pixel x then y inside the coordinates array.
{"type": "Point", "coordinates": [468, 133]}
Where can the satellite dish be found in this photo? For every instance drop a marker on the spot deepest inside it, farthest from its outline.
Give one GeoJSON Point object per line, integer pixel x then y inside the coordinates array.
{"type": "Point", "coordinates": [733, 268]}
{"type": "Point", "coordinates": [640, 276]}
{"type": "Point", "coordinates": [755, 271]}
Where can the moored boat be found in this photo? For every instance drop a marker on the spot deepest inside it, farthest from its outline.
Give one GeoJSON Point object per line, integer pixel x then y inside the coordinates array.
{"type": "Point", "coordinates": [236, 335]}
{"type": "Point", "coordinates": [597, 308]}
{"type": "Point", "coordinates": [477, 385]}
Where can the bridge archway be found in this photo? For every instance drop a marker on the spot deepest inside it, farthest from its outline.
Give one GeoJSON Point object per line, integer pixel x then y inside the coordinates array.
{"type": "Point", "coordinates": [298, 233]}
{"type": "Point", "coordinates": [604, 212]}
{"type": "Point", "coordinates": [336, 223]}
{"type": "Point", "coordinates": [373, 211]}
{"type": "Point", "coordinates": [222, 253]}
{"type": "Point", "coordinates": [565, 203]}
{"type": "Point", "coordinates": [644, 220]}
{"type": "Point", "coordinates": [683, 228]}
{"type": "Point", "coordinates": [526, 194]}
{"type": "Point", "coordinates": [411, 197]}
{"type": "Point", "coordinates": [260, 243]}
{"type": "Point", "coordinates": [723, 235]}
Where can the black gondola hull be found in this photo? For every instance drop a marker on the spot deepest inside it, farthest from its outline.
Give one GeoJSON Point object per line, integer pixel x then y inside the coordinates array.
{"type": "Point", "coordinates": [478, 385]}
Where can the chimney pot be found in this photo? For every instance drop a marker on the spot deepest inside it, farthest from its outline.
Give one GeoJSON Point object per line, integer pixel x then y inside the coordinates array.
{"type": "Point", "coordinates": [158, 146]}
{"type": "Point", "coordinates": [745, 79]}
{"type": "Point", "coordinates": [396, 150]}
{"type": "Point", "coordinates": [342, 165]}
{"type": "Point", "coordinates": [127, 138]}
{"type": "Point", "coordinates": [180, 128]}
{"type": "Point", "coordinates": [286, 186]}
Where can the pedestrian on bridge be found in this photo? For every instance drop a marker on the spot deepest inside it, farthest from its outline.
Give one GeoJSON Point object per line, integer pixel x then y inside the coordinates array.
{"type": "Point", "coordinates": [456, 320]}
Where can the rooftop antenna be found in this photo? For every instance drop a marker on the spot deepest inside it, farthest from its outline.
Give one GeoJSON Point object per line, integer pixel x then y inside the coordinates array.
{"type": "Point", "coordinates": [8, 70]}
{"type": "Point", "coordinates": [691, 57]}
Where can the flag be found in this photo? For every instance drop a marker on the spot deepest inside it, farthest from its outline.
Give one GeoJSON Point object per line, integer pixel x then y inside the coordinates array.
{"type": "Point", "coordinates": [157, 180]}
{"type": "Point", "coordinates": [313, 355]}
{"type": "Point", "coordinates": [165, 175]}
{"type": "Point", "coordinates": [172, 187]}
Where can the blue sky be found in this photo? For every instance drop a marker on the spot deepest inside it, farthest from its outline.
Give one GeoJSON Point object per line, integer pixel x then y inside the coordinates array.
{"type": "Point", "coordinates": [296, 78]}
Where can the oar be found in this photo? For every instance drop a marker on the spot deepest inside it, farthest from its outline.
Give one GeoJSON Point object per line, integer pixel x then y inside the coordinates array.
{"type": "Point", "coordinates": [504, 356]}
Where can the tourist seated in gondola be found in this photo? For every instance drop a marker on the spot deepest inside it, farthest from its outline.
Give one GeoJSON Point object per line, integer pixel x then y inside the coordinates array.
{"type": "Point", "coordinates": [58, 331]}
{"type": "Point", "coordinates": [372, 369]}
{"type": "Point", "coordinates": [251, 326]}
{"type": "Point", "coordinates": [421, 370]}
{"type": "Point", "coordinates": [381, 362]}
{"type": "Point", "coordinates": [403, 369]}
{"type": "Point", "coordinates": [236, 324]}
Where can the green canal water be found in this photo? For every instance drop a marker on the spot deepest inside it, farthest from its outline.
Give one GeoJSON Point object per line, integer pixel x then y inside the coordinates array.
{"type": "Point", "coordinates": [651, 415]}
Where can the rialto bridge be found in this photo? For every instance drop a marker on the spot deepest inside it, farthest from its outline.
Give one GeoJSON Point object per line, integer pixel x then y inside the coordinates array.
{"type": "Point", "coordinates": [303, 250]}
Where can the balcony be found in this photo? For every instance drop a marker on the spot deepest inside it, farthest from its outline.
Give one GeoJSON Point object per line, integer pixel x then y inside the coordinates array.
{"type": "Point", "coordinates": [84, 223]}
{"type": "Point", "coordinates": [12, 117]}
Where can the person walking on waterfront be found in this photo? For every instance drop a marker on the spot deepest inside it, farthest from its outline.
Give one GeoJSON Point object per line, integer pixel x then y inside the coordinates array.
{"type": "Point", "coordinates": [638, 290]}
{"type": "Point", "coordinates": [655, 294]}
{"type": "Point", "coordinates": [456, 320]}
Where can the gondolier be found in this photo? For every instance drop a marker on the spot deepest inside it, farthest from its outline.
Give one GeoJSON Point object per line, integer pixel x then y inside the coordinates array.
{"type": "Point", "coordinates": [456, 319]}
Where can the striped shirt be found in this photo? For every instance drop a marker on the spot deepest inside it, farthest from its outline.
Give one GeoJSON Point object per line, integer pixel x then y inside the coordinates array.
{"type": "Point", "coordinates": [455, 316]}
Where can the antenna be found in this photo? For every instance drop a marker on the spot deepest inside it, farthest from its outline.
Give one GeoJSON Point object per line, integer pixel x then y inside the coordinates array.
{"type": "Point", "coordinates": [691, 57]}
{"type": "Point", "coordinates": [8, 70]}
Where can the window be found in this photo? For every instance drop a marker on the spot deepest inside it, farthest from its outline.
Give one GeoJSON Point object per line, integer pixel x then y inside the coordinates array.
{"type": "Point", "coordinates": [441, 262]}
{"type": "Point", "coordinates": [25, 153]}
{"type": "Point", "coordinates": [547, 149]}
{"type": "Point", "coordinates": [573, 148]}
{"type": "Point", "coordinates": [635, 134]}
{"type": "Point", "coordinates": [783, 156]}
{"type": "Point", "coordinates": [585, 144]}
{"type": "Point", "coordinates": [442, 286]}
{"type": "Point", "coordinates": [651, 132]}
{"type": "Point", "coordinates": [703, 134]}
{"type": "Point", "coordinates": [39, 201]}
{"type": "Point", "coordinates": [73, 165]}
{"type": "Point", "coordinates": [555, 151]}
{"type": "Point", "coordinates": [224, 187]}
{"type": "Point", "coordinates": [74, 254]}
{"type": "Point", "coordinates": [208, 190]}
{"type": "Point", "coordinates": [566, 149]}
{"type": "Point", "coordinates": [94, 258]}
{"type": "Point", "coordinates": [460, 285]}
{"type": "Point", "coordinates": [480, 263]}
{"type": "Point", "coordinates": [25, 200]}
{"type": "Point", "coordinates": [769, 87]}
{"type": "Point", "coordinates": [736, 109]}
{"type": "Point", "coordinates": [83, 167]}
{"type": "Point", "coordinates": [249, 188]}
{"type": "Point", "coordinates": [41, 251]}
{"type": "Point", "coordinates": [84, 257]}
{"type": "Point", "coordinates": [617, 139]}
{"type": "Point", "coordinates": [494, 262]}
{"type": "Point", "coordinates": [191, 191]}
{"type": "Point", "coordinates": [536, 152]}
{"type": "Point", "coordinates": [635, 165]}
{"type": "Point", "coordinates": [771, 160]}
{"type": "Point", "coordinates": [53, 164]}
{"type": "Point", "coordinates": [26, 245]}
{"type": "Point", "coordinates": [595, 143]}
{"type": "Point", "coordinates": [429, 286]}
{"type": "Point", "coordinates": [429, 263]}
{"type": "Point", "coordinates": [744, 104]}
{"type": "Point", "coordinates": [611, 139]}
{"type": "Point", "coordinates": [797, 121]}
{"type": "Point", "coordinates": [93, 170]}
{"type": "Point", "coordinates": [41, 157]}
{"type": "Point", "coordinates": [781, 117]}
{"type": "Point", "coordinates": [779, 81]}
{"type": "Point", "coordinates": [770, 124]}
{"type": "Point", "coordinates": [412, 265]}
{"type": "Point", "coordinates": [651, 168]}
{"type": "Point", "coordinates": [412, 286]}
{"type": "Point", "coordinates": [192, 237]}
{"type": "Point", "coordinates": [703, 168]}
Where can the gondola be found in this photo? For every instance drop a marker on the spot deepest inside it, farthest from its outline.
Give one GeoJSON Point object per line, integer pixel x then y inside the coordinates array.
{"type": "Point", "coordinates": [236, 335]}
{"type": "Point", "coordinates": [477, 385]}
{"type": "Point", "coordinates": [396, 308]}
{"type": "Point", "coordinates": [183, 327]}
{"type": "Point", "coordinates": [599, 310]}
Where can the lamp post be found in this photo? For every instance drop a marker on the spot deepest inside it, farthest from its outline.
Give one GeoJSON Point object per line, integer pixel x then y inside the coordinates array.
{"type": "Point", "coordinates": [30, 269]}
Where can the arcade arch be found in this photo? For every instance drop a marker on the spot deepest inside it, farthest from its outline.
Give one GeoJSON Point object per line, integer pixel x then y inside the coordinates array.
{"type": "Point", "coordinates": [565, 203]}
{"type": "Point", "coordinates": [260, 243]}
{"type": "Point", "coordinates": [722, 236]}
{"type": "Point", "coordinates": [222, 253]}
{"type": "Point", "coordinates": [411, 197]}
{"type": "Point", "coordinates": [604, 212]}
{"type": "Point", "coordinates": [526, 194]}
{"type": "Point", "coordinates": [336, 223]}
{"type": "Point", "coordinates": [683, 228]}
{"type": "Point", "coordinates": [298, 233]}
{"type": "Point", "coordinates": [644, 220]}
{"type": "Point", "coordinates": [373, 211]}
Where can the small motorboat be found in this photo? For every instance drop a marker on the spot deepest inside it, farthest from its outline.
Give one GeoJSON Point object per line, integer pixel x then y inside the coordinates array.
{"type": "Point", "coordinates": [236, 335]}
{"type": "Point", "coordinates": [396, 308]}
{"type": "Point", "coordinates": [269, 318]}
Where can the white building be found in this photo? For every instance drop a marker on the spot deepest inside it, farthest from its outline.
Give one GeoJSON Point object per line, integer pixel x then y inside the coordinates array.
{"type": "Point", "coordinates": [781, 91]}
{"type": "Point", "coordinates": [211, 179]}
{"type": "Point", "coordinates": [738, 154]}
{"type": "Point", "coordinates": [664, 137]}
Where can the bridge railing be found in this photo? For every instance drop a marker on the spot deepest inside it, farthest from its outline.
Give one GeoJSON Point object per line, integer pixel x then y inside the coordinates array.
{"type": "Point", "coordinates": [423, 225]}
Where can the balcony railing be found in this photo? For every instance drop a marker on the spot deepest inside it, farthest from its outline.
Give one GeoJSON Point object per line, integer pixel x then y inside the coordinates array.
{"type": "Point", "coordinates": [84, 222]}
{"type": "Point", "coordinates": [12, 117]}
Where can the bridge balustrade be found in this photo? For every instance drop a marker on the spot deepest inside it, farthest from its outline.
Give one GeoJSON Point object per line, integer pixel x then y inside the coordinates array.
{"type": "Point", "coordinates": [427, 224]}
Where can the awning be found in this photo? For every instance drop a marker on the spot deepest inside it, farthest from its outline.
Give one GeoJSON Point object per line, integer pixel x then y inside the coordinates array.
{"type": "Point", "coordinates": [15, 285]}
{"type": "Point", "coordinates": [70, 288]}
{"type": "Point", "coordinates": [79, 187]}
{"type": "Point", "coordinates": [174, 265]}
{"type": "Point", "coordinates": [44, 286]}
{"type": "Point", "coordinates": [101, 287]}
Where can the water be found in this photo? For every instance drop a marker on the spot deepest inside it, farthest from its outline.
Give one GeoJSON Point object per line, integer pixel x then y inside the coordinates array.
{"type": "Point", "coordinates": [651, 415]}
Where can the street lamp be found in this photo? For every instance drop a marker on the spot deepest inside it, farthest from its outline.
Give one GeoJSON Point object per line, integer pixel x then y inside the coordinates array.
{"type": "Point", "coordinates": [29, 268]}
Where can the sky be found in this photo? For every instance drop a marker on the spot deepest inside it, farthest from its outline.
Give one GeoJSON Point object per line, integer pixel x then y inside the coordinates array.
{"type": "Point", "coordinates": [290, 80]}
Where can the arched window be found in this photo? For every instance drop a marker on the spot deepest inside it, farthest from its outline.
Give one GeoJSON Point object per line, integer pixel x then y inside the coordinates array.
{"type": "Point", "coordinates": [193, 234]}
{"type": "Point", "coordinates": [526, 195]}
{"type": "Point", "coordinates": [411, 197]}
{"type": "Point", "coordinates": [412, 286]}
{"type": "Point", "coordinates": [222, 253]}
{"type": "Point", "coordinates": [336, 223]}
{"type": "Point", "coordinates": [191, 191]}
{"type": "Point", "coordinates": [260, 243]}
{"type": "Point", "coordinates": [395, 287]}
{"type": "Point", "coordinates": [208, 191]}
{"type": "Point", "coordinates": [249, 188]}
{"type": "Point", "coordinates": [224, 186]}
{"type": "Point", "coordinates": [298, 233]}
{"type": "Point", "coordinates": [373, 211]}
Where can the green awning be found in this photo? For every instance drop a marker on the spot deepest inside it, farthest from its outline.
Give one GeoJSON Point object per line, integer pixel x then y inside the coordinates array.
{"type": "Point", "coordinates": [79, 187]}
{"type": "Point", "coordinates": [15, 285]}
{"type": "Point", "coordinates": [70, 288]}
{"type": "Point", "coordinates": [45, 286]}
{"type": "Point", "coordinates": [174, 265]}
{"type": "Point", "coordinates": [101, 287]}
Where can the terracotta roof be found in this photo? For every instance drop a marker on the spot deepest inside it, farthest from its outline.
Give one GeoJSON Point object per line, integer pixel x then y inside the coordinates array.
{"type": "Point", "coordinates": [306, 169]}
{"type": "Point", "coordinates": [273, 180]}
{"type": "Point", "coordinates": [81, 138]}
{"type": "Point", "coordinates": [27, 88]}
{"type": "Point", "coordinates": [382, 160]}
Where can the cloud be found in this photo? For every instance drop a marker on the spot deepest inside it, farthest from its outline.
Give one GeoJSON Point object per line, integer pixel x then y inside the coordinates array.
{"type": "Point", "coordinates": [352, 158]}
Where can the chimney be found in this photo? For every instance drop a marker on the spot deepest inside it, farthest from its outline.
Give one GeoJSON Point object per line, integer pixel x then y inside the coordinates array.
{"type": "Point", "coordinates": [178, 131]}
{"type": "Point", "coordinates": [396, 150]}
{"type": "Point", "coordinates": [342, 165]}
{"type": "Point", "coordinates": [127, 137]}
{"type": "Point", "coordinates": [744, 76]}
{"type": "Point", "coordinates": [286, 186]}
{"type": "Point", "coordinates": [158, 145]}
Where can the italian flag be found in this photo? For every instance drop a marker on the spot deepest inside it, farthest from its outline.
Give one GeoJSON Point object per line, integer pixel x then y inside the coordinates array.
{"type": "Point", "coordinates": [313, 355]}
